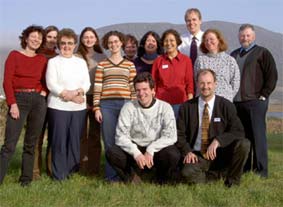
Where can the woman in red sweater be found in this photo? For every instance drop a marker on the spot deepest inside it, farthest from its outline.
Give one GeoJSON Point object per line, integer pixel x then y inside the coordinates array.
{"type": "Point", "coordinates": [173, 72]}
{"type": "Point", "coordinates": [25, 90]}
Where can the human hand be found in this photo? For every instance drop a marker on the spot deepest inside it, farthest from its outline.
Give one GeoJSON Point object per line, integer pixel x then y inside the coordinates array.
{"type": "Point", "coordinates": [190, 96]}
{"type": "Point", "coordinates": [148, 160]}
{"type": "Point", "coordinates": [141, 161]}
{"type": "Point", "coordinates": [78, 99]}
{"type": "Point", "coordinates": [190, 158]}
{"type": "Point", "coordinates": [211, 150]}
{"type": "Point", "coordinates": [67, 95]}
{"type": "Point", "coordinates": [14, 111]}
{"type": "Point", "coordinates": [43, 93]}
{"type": "Point", "coordinates": [98, 116]}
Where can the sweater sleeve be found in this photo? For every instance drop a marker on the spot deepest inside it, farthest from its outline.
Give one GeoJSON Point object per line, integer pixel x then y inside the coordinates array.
{"type": "Point", "coordinates": [86, 82]}
{"type": "Point", "coordinates": [196, 68]}
{"type": "Point", "coordinates": [43, 76]}
{"type": "Point", "coordinates": [235, 76]}
{"type": "Point", "coordinates": [154, 73]}
{"type": "Point", "coordinates": [133, 74]}
{"type": "Point", "coordinates": [123, 138]}
{"type": "Point", "coordinates": [270, 73]}
{"type": "Point", "coordinates": [9, 72]}
{"type": "Point", "coordinates": [98, 86]}
{"type": "Point", "coordinates": [168, 134]}
{"type": "Point", "coordinates": [52, 81]}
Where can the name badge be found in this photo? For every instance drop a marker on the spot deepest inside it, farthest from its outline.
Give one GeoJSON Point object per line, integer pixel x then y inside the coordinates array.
{"type": "Point", "coordinates": [217, 119]}
{"type": "Point", "coordinates": [165, 66]}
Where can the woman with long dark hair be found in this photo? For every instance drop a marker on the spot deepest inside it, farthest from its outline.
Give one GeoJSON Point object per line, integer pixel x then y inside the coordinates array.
{"type": "Point", "coordinates": [90, 50]}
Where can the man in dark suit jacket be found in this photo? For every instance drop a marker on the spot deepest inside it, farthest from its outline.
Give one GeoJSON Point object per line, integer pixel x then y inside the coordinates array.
{"type": "Point", "coordinates": [227, 147]}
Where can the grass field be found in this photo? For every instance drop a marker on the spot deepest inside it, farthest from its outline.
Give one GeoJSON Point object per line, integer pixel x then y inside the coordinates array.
{"type": "Point", "coordinates": [84, 191]}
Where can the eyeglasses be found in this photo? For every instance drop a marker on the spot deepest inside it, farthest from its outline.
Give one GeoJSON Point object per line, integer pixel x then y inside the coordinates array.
{"type": "Point", "coordinates": [113, 42]}
{"type": "Point", "coordinates": [67, 43]}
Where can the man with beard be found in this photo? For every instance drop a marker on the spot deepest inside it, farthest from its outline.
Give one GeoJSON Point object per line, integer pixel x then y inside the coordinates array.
{"type": "Point", "coordinates": [258, 80]}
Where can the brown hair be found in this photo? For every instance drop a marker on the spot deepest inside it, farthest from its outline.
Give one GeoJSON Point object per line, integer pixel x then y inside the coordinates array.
{"type": "Point", "coordinates": [205, 71]}
{"type": "Point", "coordinates": [105, 38]}
{"type": "Point", "coordinates": [132, 39]}
{"type": "Point", "coordinates": [67, 32]}
{"type": "Point", "coordinates": [26, 32]}
{"type": "Point", "coordinates": [82, 48]}
{"type": "Point", "coordinates": [193, 10]}
{"type": "Point", "coordinates": [222, 43]}
{"type": "Point", "coordinates": [144, 77]}
{"type": "Point", "coordinates": [173, 32]}
{"type": "Point", "coordinates": [50, 29]}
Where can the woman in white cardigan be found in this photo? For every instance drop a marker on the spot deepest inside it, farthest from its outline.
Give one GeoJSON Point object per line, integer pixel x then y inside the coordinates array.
{"type": "Point", "coordinates": [67, 80]}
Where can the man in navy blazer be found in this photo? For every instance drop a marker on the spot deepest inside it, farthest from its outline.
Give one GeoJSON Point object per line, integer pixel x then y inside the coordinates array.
{"type": "Point", "coordinates": [228, 149]}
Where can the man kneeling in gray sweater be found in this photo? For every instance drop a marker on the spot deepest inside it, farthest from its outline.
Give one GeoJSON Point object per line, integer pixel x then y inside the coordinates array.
{"type": "Point", "coordinates": [145, 136]}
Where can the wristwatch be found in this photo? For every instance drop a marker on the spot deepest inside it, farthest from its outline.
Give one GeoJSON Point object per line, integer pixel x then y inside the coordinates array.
{"type": "Point", "coordinates": [262, 98]}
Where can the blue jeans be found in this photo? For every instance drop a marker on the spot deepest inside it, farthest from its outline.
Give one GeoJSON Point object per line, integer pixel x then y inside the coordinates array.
{"type": "Point", "coordinates": [32, 107]}
{"type": "Point", "coordinates": [176, 108]}
{"type": "Point", "coordinates": [110, 110]}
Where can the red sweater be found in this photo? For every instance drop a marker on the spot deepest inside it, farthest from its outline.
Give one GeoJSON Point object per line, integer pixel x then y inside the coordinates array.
{"type": "Point", "coordinates": [173, 78]}
{"type": "Point", "coordinates": [23, 72]}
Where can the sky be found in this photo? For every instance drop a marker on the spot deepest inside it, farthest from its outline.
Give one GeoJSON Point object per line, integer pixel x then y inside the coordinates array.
{"type": "Point", "coordinates": [15, 15]}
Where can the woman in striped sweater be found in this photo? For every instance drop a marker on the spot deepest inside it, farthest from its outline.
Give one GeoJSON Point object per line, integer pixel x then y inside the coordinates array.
{"type": "Point", "coordinates": [113, 87]}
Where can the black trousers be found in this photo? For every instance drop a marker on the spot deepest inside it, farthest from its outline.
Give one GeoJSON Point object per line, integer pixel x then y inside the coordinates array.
{"type": "Point", "coordinates": [165, 162]}
{"type": "Point", "coordinates": [65, 129]}
{"type": "Point", "coordinates": [229, 162]}
{"type": "Point", "coordinates": [32, 107]}
{"type": "Point", "coordinates": [252, 115]}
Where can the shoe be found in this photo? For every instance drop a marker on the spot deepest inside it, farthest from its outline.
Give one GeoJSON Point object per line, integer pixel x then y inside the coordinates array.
{"type": "Point", "coordinates": [135, 179]}
{"type": "Point", "coordinates": [25, 183]}
{"type": "Point", "coordinates": [228, 183]}
{"type": "Point", "coordinates": [36, 176]}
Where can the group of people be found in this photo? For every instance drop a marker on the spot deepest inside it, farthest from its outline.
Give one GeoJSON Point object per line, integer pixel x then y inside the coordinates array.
{"type": "Point", "coordinates": [177, 104]}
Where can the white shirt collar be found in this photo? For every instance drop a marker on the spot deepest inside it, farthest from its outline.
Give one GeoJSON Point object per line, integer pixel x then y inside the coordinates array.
{"type": "Point", "coordinates": [198, 35]}
{"type": "Point", "coordinates": [210, 102]}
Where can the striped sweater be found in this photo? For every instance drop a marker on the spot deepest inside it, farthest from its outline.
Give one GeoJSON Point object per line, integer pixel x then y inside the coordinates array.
{"type": "Point", "coordinates": [114, 81]}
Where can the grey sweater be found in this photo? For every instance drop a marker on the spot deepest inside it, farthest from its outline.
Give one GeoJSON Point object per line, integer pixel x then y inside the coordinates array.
{"type": "Point", "coordinates": [153, 128]}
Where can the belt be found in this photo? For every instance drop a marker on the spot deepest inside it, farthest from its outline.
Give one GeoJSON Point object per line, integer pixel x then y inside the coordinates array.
{"type": "Point", "coordinates": [26, 90]}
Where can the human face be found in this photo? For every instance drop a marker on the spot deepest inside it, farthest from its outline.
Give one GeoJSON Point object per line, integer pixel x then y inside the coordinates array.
{"type": "Point", "coordinates": [211, 43]}
{"type": "Point", "coordinates": [89, 39]}
{"type": "Point", "coordinates": [144, 93]}
{"type": "Point", "coordinates": [51, 39]}
{"type": "Point", "coordinates": [246, 37]}
{"type": "Point", "coordinates": [114, 44]}
{"type": "Point", "coordinates": [34, 40]}
{"type": "Point", "coordinates": [130, 49]}
{"type": "Point", "coordinates": [170, 44]}
{"type": "Point", "coordinates": [150, 45]}
{"type": "Point", "coordinates": [67, 46]}
{"type": "Point", "coordinates": [206, 85]}
{"type": "Point", "coordinates": [193, 23]}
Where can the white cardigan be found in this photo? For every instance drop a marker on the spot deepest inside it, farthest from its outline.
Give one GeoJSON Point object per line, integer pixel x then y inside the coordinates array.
{"type": "Point", "coordinates": [66, 74]}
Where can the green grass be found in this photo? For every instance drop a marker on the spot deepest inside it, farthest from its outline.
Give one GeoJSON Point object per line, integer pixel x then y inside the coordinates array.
{"type": "Point", "coordinates": [84, 191]}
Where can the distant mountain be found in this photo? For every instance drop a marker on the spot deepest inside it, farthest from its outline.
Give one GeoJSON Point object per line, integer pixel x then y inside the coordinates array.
{"type": "Point", "coordinates": [271, 40]}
